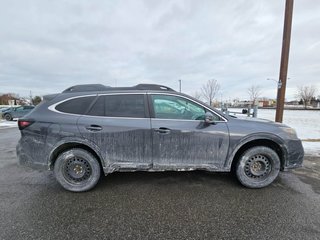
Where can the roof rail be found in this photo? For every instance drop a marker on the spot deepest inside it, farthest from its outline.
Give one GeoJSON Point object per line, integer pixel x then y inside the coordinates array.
{"type": "Point", "coordinates": [100, 87]}
{"type": "Point", "coordinates": [87, 87]}
{"type": "Point", "coordinates": [152, 87]}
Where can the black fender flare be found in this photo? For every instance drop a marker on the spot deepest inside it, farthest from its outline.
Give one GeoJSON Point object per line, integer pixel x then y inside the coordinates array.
{"type": "Point", "coordinates": [74, 141]}
{"type": "Point", "coordinates": [254, 137]}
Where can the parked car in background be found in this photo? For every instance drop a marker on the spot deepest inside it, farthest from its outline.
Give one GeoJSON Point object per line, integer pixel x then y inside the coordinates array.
{"type": "Point", "coordinates": [16, 112]}
{"type": "Point", "coordinates": [89, 128]}
{"type": "Point", "coordinates": [3, 109]}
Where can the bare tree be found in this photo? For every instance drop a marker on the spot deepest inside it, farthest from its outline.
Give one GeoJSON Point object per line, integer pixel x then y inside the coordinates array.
{"type": "Point", "coordinates": [197, 95]}
{"type": "Point", "coordinates": [36, 100]}
{"type": "Point", "coordinates": [306, 93]}
{"type": "Point", "coordinates": [254, 92]}
{"type": "Point", "coordinates": [209, 90]}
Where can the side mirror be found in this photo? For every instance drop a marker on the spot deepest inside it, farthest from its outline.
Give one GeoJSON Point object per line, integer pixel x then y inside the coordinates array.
{"type": "Point", "coordinates": [208, 118]}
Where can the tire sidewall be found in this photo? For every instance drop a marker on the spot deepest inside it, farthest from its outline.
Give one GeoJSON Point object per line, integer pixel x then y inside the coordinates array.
{"type": "Point", "coordinates": [254, 183]}
{"type": "Point", "coordinates": [81, 187]}
{"type": "Point", "coordinates": [8, 117]}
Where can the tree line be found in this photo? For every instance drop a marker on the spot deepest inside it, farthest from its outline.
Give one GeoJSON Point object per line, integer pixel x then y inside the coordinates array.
{"type": "Point", "coordinates": [305, 95]}
{"type": "Point", "coordinates": [7, 98]}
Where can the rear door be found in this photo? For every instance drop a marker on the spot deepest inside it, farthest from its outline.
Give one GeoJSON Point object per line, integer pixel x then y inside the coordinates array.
{"type": "Point", "coordinates": [181, 139]}
{"type": "Point", "coordinates": [119, 124]}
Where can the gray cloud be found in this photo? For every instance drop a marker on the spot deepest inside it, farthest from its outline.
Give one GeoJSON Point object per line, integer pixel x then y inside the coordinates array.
{"type": "Point", "coordinates": [47, 46]}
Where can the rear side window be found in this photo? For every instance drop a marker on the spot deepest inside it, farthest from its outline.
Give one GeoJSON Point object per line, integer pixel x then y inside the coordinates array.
{"type": "Point", "coordinates": [124, 105]}
{"type": "Point", "coordinates": [76, 106]}
{"type": "Point", "coordinates": [28, 107]}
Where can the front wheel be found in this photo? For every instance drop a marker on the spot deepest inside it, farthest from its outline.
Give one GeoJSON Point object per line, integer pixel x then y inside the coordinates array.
{"type": "Point", "coordinates": [258, 167]}
{"type": "Point", "coordinates": [77, 170]}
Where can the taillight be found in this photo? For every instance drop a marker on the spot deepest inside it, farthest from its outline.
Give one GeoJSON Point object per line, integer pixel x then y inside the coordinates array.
{"type": "Point", "coordinates": [24, 123]}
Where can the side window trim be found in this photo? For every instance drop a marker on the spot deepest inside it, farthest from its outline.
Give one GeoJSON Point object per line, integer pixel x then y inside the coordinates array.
{"type": "Point", "coordinates": [146, 106]}
{"type": "Point", "coordinates": [152, 113]}
{"type": "Point", "coordinates": [145, 97]}
{"type": "Point", "coordinates": [150, 105]}
{"type": "Point", "coordinates": [91, 105]}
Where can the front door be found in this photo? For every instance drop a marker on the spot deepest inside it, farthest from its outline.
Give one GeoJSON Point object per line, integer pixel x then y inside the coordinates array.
{"type": "Point", "coordinates": [181, 139]}
{"type": "Point", "coordinates": [120, 126]}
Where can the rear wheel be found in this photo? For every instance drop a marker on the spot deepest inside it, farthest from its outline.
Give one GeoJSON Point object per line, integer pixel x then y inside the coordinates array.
{"type": "Point", "coordinates": [258, 167]}
{"type": "Point", "coordinates": [77, 170]}
{"type": "Point", "coordinates": [8, 117]}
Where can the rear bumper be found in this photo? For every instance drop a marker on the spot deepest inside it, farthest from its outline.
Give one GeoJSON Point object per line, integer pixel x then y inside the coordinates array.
{"type": "Point", "coordinates": [25, 159]}
{"type": "Point", "coordinates": [295, 154]}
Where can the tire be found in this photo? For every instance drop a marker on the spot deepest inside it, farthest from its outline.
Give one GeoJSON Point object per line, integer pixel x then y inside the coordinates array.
{"type": "Point", "coordinates": [258, 167]}
{"type": "Point", "coordinates": [77, 170]}
{"type": "Point", "coordinates": [8, 117]}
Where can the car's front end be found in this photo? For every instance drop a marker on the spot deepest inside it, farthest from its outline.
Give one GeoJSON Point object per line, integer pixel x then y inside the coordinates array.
{"type": "Point", "coordinates": [279, 136]}
{"type": "Point", "coordinates": [293, 145]}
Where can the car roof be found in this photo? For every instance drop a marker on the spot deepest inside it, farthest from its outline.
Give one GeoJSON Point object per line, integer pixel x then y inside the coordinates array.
{"type": "Point", "coordinates": [97, 89]}
{"type": "Point", "coordinates": [100, 87]}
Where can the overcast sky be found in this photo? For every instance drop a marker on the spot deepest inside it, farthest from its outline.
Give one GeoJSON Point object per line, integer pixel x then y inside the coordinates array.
{"type": "Point", "coordinates": [47, 46]}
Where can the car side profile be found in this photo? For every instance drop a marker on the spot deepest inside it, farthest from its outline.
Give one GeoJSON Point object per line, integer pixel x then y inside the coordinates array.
{"type": "Point", "coordinates": [90, 129]}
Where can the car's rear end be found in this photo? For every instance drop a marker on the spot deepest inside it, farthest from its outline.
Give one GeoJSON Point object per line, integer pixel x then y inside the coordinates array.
{"type": "Point", "coordinates": [31, 148]}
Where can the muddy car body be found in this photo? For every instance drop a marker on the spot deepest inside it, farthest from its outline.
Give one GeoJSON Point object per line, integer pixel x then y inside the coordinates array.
{"type": "Point", "coordinates": [149, 128]}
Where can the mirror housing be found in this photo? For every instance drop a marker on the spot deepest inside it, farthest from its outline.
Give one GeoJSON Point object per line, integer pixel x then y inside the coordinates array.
{"type": "Point", "coordinates": [209, 118]}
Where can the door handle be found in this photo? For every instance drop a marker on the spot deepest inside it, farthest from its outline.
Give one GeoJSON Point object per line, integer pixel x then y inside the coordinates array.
{"type": "Point", "coordinates": [162, 130]}
{"type": "Point", "coordinates": [94, 128]}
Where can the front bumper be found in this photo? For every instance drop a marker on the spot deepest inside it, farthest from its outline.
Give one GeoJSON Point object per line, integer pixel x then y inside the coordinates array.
{"type": "Point", "coordinates": [295, 154]}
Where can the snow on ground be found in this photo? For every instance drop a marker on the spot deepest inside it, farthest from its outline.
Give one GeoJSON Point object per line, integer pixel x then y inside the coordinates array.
{"type": "Point", "coordinates": [7, 124]}
{"type": "Point", "coordinates": [305, 122]}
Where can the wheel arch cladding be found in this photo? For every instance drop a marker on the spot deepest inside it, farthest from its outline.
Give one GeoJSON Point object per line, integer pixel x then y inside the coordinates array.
{"type": "Point", "coordinates": [260, 142]}
{"type": "Point", "coordinates": [70, 145]}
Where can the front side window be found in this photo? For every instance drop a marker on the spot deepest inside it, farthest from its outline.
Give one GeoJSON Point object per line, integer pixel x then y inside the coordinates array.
{"type": "Point", "coordinates": [122, 105]}
{"type": "Point", "coordinates": [174, 107]}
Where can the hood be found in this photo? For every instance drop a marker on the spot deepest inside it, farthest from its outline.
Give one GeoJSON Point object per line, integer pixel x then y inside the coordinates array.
{"type": "Point", "coordinates": [258, 121]}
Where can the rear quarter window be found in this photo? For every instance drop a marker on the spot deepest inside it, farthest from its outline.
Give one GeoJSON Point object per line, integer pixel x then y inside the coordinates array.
{"type": "Point", "coordinates": [76, 105]}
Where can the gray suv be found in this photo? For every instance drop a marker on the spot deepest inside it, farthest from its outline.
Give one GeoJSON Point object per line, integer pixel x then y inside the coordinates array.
{"type": "Point", "coordinates": [90, 129]}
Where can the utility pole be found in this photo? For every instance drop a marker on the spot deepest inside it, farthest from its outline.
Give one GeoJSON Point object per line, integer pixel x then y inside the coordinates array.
{"type": "Point", "coordinates": [179, 85]}
{"type": "Point", "coordinates": [31, 98]}
{"type": "Point", "coordinates": [284, 60]}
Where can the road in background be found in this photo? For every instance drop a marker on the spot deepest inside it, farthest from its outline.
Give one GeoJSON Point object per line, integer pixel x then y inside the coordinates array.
{"type": "Point", "coordinates": [167, 205]}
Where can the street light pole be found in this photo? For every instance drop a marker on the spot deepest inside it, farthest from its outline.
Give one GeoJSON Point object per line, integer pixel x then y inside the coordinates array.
{"type": "Point", "coordinates": [179, 85]}
{"type": "Point", "coordinates": [284, 60]}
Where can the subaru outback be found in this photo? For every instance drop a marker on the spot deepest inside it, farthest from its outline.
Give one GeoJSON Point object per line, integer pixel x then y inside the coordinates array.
{"type": "Point", "coordinates": [91, 129]}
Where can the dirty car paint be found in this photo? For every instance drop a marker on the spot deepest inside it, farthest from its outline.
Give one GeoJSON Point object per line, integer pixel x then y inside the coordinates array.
{"type": "Point", "coordinates": [132, 144]}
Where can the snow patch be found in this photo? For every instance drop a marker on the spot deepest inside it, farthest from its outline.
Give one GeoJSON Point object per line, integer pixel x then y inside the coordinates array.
{"type": "Point", "coordinates": [8, 124]}
{"type": "Point", "coordinates": [305, 122]}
